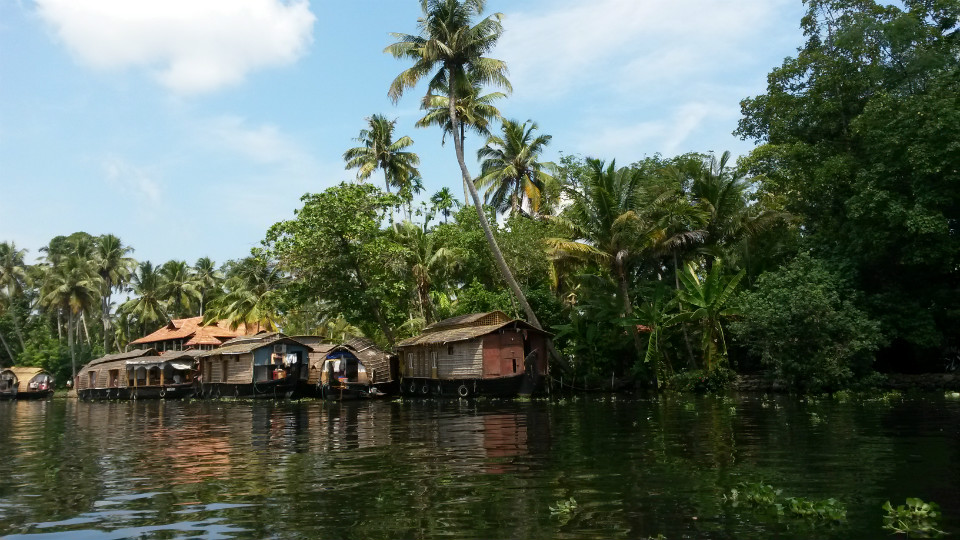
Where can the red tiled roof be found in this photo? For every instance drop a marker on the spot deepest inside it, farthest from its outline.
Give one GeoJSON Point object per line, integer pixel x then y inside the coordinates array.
{"type": "Point", "coordinates": [212, 334]}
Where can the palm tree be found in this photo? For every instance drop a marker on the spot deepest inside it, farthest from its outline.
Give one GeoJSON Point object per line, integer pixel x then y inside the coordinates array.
{"type": "Point", "coordinates": [380, 151]}
{"type": "Point", "coordinates": [114, 268]}
{"type": "Point", "coordinates": [146, 306]}
{"type": "Point", "coordinates": [425, 260]}
{"type": "Point", "coordinates": [338, 330]}
{"type": "Point", "coordinates": [450, 51]}
{"type": "Point", "coordinates": [608, 225]}
{"type": "Point", "coordinates": [207, 279]}
{"type": "Point", "coordinates": [708, 298]}
{"type": "Point", "coordinates": [178, 287]}
{"type": "Point", "coordinates": [442, 201]}
{"type": "Point", "coordinates": [72, 286]}
{"type": "Point", "coordinates": [253, 296]}
{"type": "Point", "coordinates": [510, 169]}
{"type": "Point", "coordinates": [13, 280]}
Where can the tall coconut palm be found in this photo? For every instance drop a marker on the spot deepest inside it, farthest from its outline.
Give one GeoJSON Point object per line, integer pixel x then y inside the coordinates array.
{"type": "Point", "coordinates": [146, 307]}
{"type": "Point", "coordinates": [178, 287]}
{"type": "Point", "coordinates": [606, 216]}
{"type": "Point", "coordinates": [450, 52]}
{"type": "Point", "coordinates": [253, 296]}
{"type": "Point", "coordinates": [380, 151]}
{"type": "Point", "coordinates": [13, 280]}
{"type": "Point", "coordinates": [442, 201]}
{"type": "Point", "coordinates": [510, 169]}
{"type": "Point", "coordinates": [425, 261]}
{"type": "Point", "coordinates": [207, 279]}
{"type": "Point", "coordinates": [73, 286]}
{"type": "Point", "coordinates": [114, 268]}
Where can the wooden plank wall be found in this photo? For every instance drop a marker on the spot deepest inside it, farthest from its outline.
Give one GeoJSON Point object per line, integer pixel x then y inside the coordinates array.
{"type": "Point", "coordinates": [466, 362]}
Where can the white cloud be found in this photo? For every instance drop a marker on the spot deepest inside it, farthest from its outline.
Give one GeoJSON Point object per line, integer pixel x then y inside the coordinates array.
{"type": "Point", "coordinates": [631, 45]}
{"type": "Point", "coordinates": [190, 46]}
{"type": "Point", "coordinates": [263, 144]}
{"type": "Point", "coordinates": [131, 180]}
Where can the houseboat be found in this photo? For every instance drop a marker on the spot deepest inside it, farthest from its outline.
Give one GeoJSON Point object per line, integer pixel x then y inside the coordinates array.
{"type": "Point", "coordinates": [358, 369]}
{"type": "Point", "coordinates": [139, 374]}
{"type": "Point", "coordinates": [25, 383]}
{"type": "Point", "coordinates": [478, 354]}
{"type": "Point", "coordinates": [268, 365]}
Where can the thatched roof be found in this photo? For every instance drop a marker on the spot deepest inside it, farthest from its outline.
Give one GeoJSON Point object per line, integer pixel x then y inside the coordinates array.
{"type": "Point", "coordinates": [250, 344]}
{"type": "Point", "coordinates": [25, 374]}
{"type": "Point", "coordinates": [464, 333]}
{"type": "Point", "coordinates": [488, 318]}
{"type": "Point", "coordinates": [317, 343]}
{"type": "Point", "coordinates": [136, 353]}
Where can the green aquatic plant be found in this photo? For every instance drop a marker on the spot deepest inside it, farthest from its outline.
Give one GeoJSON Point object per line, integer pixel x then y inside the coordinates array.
{"type": "Point", "coordinates": [826, 509]}
{"type": "Point", "coordinates": [916, 519]}
{"type": "Point", "coordinates": [766, 497]}
{"type": "Point", "coordinates": [564, 507]}
{"type": "Point", "coordinates": [757, 494]}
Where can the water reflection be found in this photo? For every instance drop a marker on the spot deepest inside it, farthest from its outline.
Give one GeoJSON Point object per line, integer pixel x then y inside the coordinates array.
{"type": "Point", "coordinates": [419, 469]}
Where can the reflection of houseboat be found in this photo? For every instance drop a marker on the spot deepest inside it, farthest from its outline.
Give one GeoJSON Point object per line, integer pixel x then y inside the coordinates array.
{"type": "Point", "coordinates": [358, 369]}
{"type": "Point", "coordinates": [25, 383]}
{"type": "Point", "coordinates": [262, 365]}
{"type": "Point", "coordinates": [477, 354]}
{"type": "Point", "coordinates": [139, 374]}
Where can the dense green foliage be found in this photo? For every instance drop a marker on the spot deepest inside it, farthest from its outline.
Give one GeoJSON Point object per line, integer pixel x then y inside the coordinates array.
{"type": "Point", "coordinates": [828, 252]}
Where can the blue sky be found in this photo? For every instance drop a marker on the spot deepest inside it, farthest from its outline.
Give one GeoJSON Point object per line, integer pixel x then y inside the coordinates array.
{"type": "Point", "coordinates": [188, 127]}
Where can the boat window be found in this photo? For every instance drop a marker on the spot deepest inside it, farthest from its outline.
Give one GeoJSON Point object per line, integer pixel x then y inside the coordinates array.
{"type": "Point", "coordinates": [450, 349]}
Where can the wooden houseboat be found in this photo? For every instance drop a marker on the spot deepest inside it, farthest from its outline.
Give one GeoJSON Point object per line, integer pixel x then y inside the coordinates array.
{"type": "Point", "coordinates": [139, 374]}
{"type": "Point", "coordinates": [264, 365]}
{"type": "Point", "coordinates": [358, 369]}
{"type": "Point", "coordinates": [25, 383]}
{"type": "Point", "coordinates": [477, 354]}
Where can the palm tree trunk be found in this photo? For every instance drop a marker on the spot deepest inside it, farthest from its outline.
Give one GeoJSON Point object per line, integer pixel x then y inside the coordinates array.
{"type": "Point", "coordinates": [393, 222]}
{"type": "Point", "coordinates": [73, 353]}
{"type": "Point", "coordinates": [59, 327]}
{"type": "Point", "coordinates": [86, 331]}
{"type": "Point", "coordinates": [491, 241]}
{"type": "Point", "coordinates": [13, 359]}
{"type": "Point", "coordinates": [683, 325]}
{"type": "Point", "coordinates": [628, 313]}
{"type": "Point", "coordinates": [105, 315]}
{"type": "Point", "coordinates": [16, 329]}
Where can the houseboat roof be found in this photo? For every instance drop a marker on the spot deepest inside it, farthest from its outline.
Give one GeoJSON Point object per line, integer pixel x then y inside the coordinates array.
{"type": "Point", "coordinates": [488, 318]}
{"type": "Point", "coordinates": [193, 328]}
{"type": "Point", "coordinates": [129, 355]}
{"type": "Point", "coordinates": [463, 333]}
{"type": "Point", "coordinates": [25, 373]}
{"type": "Point", "coordinates": [243, 346]}
{"type": "Point", "coordinates": [317, 343]}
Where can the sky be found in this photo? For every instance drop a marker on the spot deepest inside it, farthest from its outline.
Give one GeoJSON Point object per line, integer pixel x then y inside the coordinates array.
{"type": "Point", "coordinates": [188, 127]}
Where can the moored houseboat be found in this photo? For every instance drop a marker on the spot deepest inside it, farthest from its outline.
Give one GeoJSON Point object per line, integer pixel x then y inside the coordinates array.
{"type": "Point", "coordinates": [139, 374]}
{"type": "Point", "coordinates": [25, 383]}
{"type": "Point", "coordinates": [358, 369]}
{"type": "Point", "coordinates": [267, 365]}
{"type": "Point", "coordinates": [478, 354]}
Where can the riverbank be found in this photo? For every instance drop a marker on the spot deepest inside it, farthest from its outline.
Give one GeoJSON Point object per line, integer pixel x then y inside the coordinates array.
{"type": "Point", "coordinates": [889, 381]}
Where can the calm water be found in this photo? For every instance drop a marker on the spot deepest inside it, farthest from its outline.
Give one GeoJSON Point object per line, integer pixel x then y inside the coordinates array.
{"type": "Point", "coordinates": [431, 469]}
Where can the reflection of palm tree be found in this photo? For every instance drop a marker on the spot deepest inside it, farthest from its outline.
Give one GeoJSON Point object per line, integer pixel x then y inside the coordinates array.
{"type": "Point", "coordinates": [380, 151]}
{"type": "Point", "coordinates": [510, 168]}
{"type": "Point", "coordinates": [450, 52]}
{"type": "Point", "coordinates": [114, 268]}
{"type": "Point", "coordinates": [73, 286]}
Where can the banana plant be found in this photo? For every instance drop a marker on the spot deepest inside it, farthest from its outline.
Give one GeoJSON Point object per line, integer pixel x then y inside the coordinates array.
{"type": "Point", "coordinates": [707, 298]}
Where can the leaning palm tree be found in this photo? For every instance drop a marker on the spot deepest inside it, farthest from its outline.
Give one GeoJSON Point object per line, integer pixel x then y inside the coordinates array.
{"type": "Point", "coordinates": [450, 52]}
{"type": "Point", "coordinates": [511, 171]}
{"type": "Point", "coordinates": [72, 286]}
{"type": "Point", "coordinates": [380, 151]}
{"type": "Point", "coordinates": [114, 268]}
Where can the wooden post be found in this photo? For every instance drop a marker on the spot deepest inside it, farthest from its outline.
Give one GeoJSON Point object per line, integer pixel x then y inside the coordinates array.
{"type": "Point", "coordinates": [161, 376]}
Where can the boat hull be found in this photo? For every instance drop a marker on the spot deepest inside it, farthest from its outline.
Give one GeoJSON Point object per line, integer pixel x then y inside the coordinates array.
{"type": "Point", "coordinates": [506, 387]}
{"type": "Point", "coordinates": [173, 391]}
{"type": "Point", "coordinates": [274, 389]}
